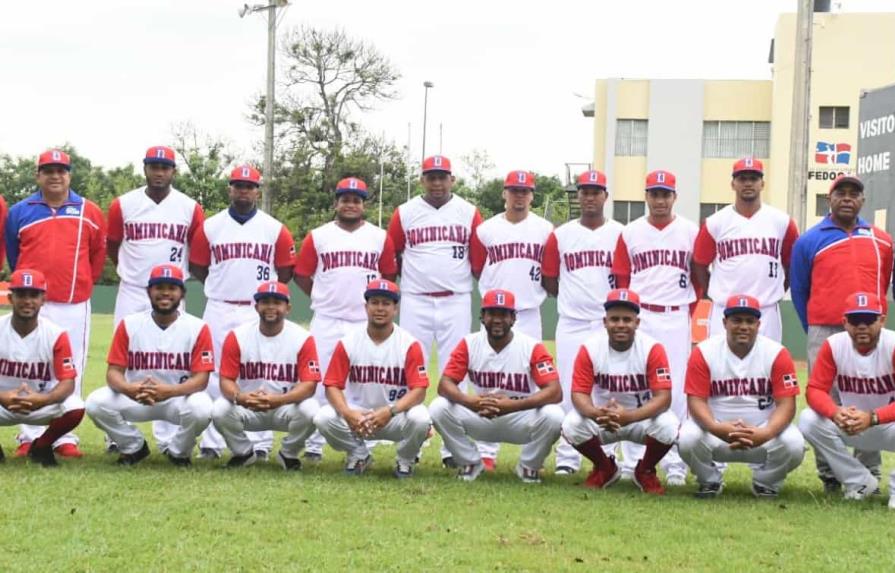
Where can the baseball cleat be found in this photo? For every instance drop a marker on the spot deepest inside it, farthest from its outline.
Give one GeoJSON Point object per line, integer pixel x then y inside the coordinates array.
{"type": "Point", "coordinates": [179, 462]}
{"type": "Point", "coordinates": [2, 455]}
{"type": "Point", "coordinates": [42, 455]}
{"type": "Point", "coordinates": [22, 450]}
{"type": "Point", "coordinates": [675, 480]}
{"type": "Point", "coordinates": [528, 475]}
{"type": "Point", "coordinates": [891, 501]}
{"type": "Point", "coordinates": [564, 471]}
{"type": "Point", "coordinates": [288, 464]}
{"type": "Point", "coordinates": [209, 453]}
{"type": "Point", "coordinates": [448, 462]}
{"type": "Point", "coordinates": [111, 447]}
{"type": "Point", "coordinates": [648, 481]}
{"type": "Point", "coordinates": [764, 492]}
{"type": "Point", "coordinates": [242, 461]}
{"type": "Point", "coordinates": [403, 470]}
{"type": "Point", "coordinates": [470, 472]}
{"type": "Point", "coordinates": [490, 464]}
{"type": "Point", "coordinates": [860, 492]}
{"type": "Point", "coordinates": [69, 451]}
{"type": "Point", "coordinates": [313, 457]}
{"type": "Point", "coordinates": [603, 477]}
{"type": "Point", "coordinates": [709, 490]}
{"type": "Point", "coordinates": [262, 455]}
{"type": "Point", "coordinates": [134, 458]}
{"type": "Point", "coordinates": [831, 485]}
{"type": "Point", "coordinates": [357, 467]}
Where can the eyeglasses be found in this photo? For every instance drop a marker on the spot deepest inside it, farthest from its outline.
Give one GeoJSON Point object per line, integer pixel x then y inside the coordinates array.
{"type": "Point", "coordinates": [859, 319]}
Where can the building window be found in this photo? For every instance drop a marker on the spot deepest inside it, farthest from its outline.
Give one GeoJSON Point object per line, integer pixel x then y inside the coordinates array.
{"type": "Point", "coordinates": [708, 209]}
{"type": "Point", "coordinates": [821, 206]}
{"type": "Point", "coordinates": [630, 137]}
{"type": "Point", "coordinates": [626, 211]}
{"type": "Point", "coordinates": [833, 117]}
{"type": "Point", "coordinates": [733, 139]}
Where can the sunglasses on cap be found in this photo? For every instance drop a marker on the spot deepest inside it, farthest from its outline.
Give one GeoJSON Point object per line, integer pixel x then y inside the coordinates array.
{"type": "Point", "coordinates": [862, 318]}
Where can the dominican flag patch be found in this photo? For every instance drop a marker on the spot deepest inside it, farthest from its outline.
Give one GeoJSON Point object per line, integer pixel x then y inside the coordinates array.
{"type": "Point", "coordinates": [421, 370]}
{"type": "Point", "coordinates": [207, 357]}
{"type": "Point", "coordinates": [663, 375]}
{"type": "Point", "coordinates": [68, 364]}
{"type": "Point", "coordinates": [545, 367]}
{"type": "Point", "coordinates": [313, 367]}
{"type": "Point", "coordinates": [790, 381]}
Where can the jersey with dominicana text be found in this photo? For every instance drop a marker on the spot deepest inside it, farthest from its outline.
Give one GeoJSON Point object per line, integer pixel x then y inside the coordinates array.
{"type": "Point", "coordinates": [865, 381]}
{"type": "Point", "coordinates": [40, 360]}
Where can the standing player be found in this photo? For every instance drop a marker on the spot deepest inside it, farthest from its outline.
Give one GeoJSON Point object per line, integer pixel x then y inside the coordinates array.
{"type": "Point", "coordinates": [859, 365]}
{"type": "Point", "coordinates": [159, 364]}
{"type": "Point", "coordinates": [63, 235]}
{"type": "Point", "coordinates": [621, 391]}
{"type": "Point", "coordinates": [577, 270]}
{"type": "Point", "coordinates": [149, 225]}
{"type": "Point", "coordinates": [516, 393]}
{"type": "Point", "coordinates": [269, 372]}
{"type": "Point", "coordinates": [233, 252]}
{"type": "Point", "coordinates": [507, 249]}
{"type": "Point", "coordinates": [741, 392]}
{"type": "Point", "coordinates": [653, 258]}
{"type": "Point", "coordinates": [37, 381]}
{"type": "Point", "coordinates": [376, 384]}
{"type": "Point", "coordinates": [748, 244]}
{"type": "Point", "coordinates": [334, 265]}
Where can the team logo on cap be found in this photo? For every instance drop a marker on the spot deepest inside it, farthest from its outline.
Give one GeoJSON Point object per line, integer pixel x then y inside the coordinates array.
{"type": "Point", "coordinates": [272, 287]}
{"type": "Point", "coordinates": [592, 177]}
{"type": "Point", "coordinates": [521, 177]}
{"type": "Point", "coordinates": [623, 295]}
{"type": "Point", "coordinates": [57, 156]}
{"type": "Point", "coordinates": [436, 161]}
{"type": "Point", "coordinates": [862, 300]}
{"type": "Point", "coordinates": [748, 162]}
{"type": "Point", "coordinates": [383, 285]}
{"type": "Point", "coordinates": [166, 272]}
{"type": "Point", "coordinates": [246, 172]}
{"type": "Point", "coordinates": [27, 280]}
{"type": "Point", "coordinates": [500, 298]}
{"type": "Point", "coordinates": [660, 177]}
{"type": "Point", "coordinates": [742, 302]}
{"type": "Point", "coordinates": [160, 153]}
{"type": "Point", "coordinates": [352, 183]}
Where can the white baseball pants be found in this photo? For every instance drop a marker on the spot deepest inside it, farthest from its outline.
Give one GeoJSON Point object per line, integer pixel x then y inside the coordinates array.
{"type": "Point", "coordinates": [663, 428]}
{"type": "Point", "coordinates": [407, 429]}
{"type": "Point", "coordinates": [528, 321]}
{"type": "Point", "coordinates": [537, 430]}
{"type": "Point", "coordinates": [771, 462]}
{"type": "Point", "coordinates": [297, 420]}
{"type": "Point", "coordinates": [771, 323]}
{"type": "Point", "coordinates": [115, 414]}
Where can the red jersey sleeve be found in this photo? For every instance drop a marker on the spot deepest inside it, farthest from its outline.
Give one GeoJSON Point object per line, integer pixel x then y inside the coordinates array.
{"type": "Point", "coordinates": [388, 262]}
{"type": "Point", "coordinates": [118, 349]}
{"type": "Point", "coordinates": [115, 232]}
{"type": "Point", "coordinates": [458, 365]}
{"type": "Point", "coordinates": [704, 249]}
{"type": "Point", "coordinates": [337, 372]}
{"type": "Point", "coordinates": [97, 241]}
{"type": "Point", "coordinates": [476, 221]}
{"type": "Point", "coordinates": [699, 378]}
{"type": "Point", "coordinates": [784, 382]}
{"type": "Point", "coordinates": [550, 263]}
{"type": "Point", "coordinates": [477, 253]}
{"type": "Point", "coordinates": [886, 414]}
{"type": "Point", "coordinates": [789, 239]}
{"type": "Point", "coordinates": [3, 212]}
{"type": "Point", "coordinates": [202, 359]}
{"type": "Point", "coordinates": [200, 251]}
{"type": "Point", "coordinates": [415, 367]}
{"type": "Point", "coordinates": [621, 264]}
{"type": "Point", "coordinates": [543, 371]}
{"type": "Point", "coordinates": [396, 232]}
{"type": "Point", "coordinates": [196, 224]}
{"type": "Point", "coordinates": [821, 382]}
{"type": "Point", "coordinates": [231, 355]}
{"type": "Point", "coordinates": [308, 361]}
{"type": "Point", "coordinates": [306, 261]}
{"type": "Point", "coordinates": [285, 249]}
{"type": "Point", "coordinates": [63, 360]}
{"type": "Point", "coordinates": [658, 372]}
{"type": "Point", "coordinates": [583, 373]}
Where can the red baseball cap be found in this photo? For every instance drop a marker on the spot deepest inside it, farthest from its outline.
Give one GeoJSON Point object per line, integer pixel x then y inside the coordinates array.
{"type": "Point", "coordinates": [54, 157]}
{"type": "Point", "coordinates": [592, 178]}
{"type": "Point", "coordinates": [382, 287]}
{"type": "Point", "coordinates": [519, 180]}
{"type": "Point", "coordinates": [843, 179]}
{"type": "Point", "coordinates": [742, 303]}
{"type": "Point", "coordinates": [661, 179]}
{"type": "Point", "coordinates": [28, 279]}
{"type": "Point", "coordinates": [499, 298]}
{"type": "Point", "coordinates": [352, 185]}
{"type": "Point", "coordinates": [622, 297]}
{"type": "Point", "coordinates": [166, 273]}
{"type": "Point", "coordinates": [862, 303]}
{"type": "Point", "coordinates": [748, 165]}
{"type": "Point", "coordinates": [245, 173]}
{"type": "Point", "coordinates": [160, 154]}
{"type": "Point", "coordinates": [436, 163]}
{"type": "Point", "coordinates": [273, 289]}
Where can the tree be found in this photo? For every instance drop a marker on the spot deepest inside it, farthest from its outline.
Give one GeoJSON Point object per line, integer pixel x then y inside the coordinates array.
{"type": "Point", "coordinates": [204, 177]}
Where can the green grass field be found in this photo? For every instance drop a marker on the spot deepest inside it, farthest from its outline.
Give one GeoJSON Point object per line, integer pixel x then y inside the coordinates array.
{"type": "Point", "coordinates": [90, 515]}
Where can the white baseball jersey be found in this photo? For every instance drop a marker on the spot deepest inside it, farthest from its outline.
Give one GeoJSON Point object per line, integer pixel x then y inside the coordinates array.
{"type": "Point", "coordinates": [582, 260]}
{"type": "Point", "coordinates": [434, 245]}
{"type": "Point", "coordinates": [630, 377]}
{"type": "Point", "coordinates": [273, 364]}
{"type": "Point", "coordinates": [508, 256]}
{"type": "Point", "coordinates": [168, 355]}
{"type": "Point", "coordinates": [40, 360]}
{"type": "Point", "coordinates": [375, 375]}
{"type": "Point", "coordinates": [342, 263]}
{"type": "Point", "coordinates": [240, 257]}
{"type": "Point", "coordinates": [741, 388]}
{"type": "Point", "coordinates": [865, 381]}
{"type": "Point", "coordinates": [657, 260]}
{"type": "Point", "coordinates": [520, 369]}
{"type": "Point", "coordinates": [152, 233]}
{"type": "Point", "coordinates": [747, 254]}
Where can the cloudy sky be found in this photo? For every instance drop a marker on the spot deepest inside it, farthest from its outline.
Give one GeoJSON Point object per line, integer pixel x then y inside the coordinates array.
{"type": "Point", "coordinates": [112, 78]}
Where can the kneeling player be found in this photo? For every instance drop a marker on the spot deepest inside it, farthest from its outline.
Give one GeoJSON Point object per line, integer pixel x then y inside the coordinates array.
{"type": "Point", "coordinates": [741, 391]}
{"type": "Point", "coordinates": [517, 393]}
{"type": "Point", "coordinates": [269, 373]}
{"type": "Point", "coordinates": [37, 373]}
{"type": "Point", "coordinates": [375, 384]}
{"type": "Point", "coordinates": [621, 390]}
{"type": "Point", "coordinates": [159, 364]}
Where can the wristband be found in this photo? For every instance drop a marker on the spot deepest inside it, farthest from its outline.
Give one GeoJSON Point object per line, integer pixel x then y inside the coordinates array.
{"type": "Point", "coordinates": [392, 410]}
{"type": "Point", "coordinates": [874, 418]}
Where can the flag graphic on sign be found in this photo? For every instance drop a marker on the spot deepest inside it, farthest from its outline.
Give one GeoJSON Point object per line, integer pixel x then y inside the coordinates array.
{"type": "Point", "coordinates": [832, 153]}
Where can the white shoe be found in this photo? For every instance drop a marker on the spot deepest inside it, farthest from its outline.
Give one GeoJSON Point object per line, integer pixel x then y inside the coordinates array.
{"type": "Point", "coordinates": [528, 475]}
{"type": "Point", "coordinates": [675, 480]}
{"type": "Point", "coordinates": [470, 472]}
{"type": "Point", "coordinates": [892, 502]}
{"type": "Point", "coordinates": [857, 493]}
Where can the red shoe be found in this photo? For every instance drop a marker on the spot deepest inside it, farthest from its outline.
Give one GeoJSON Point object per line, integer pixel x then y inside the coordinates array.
{"type": "Point", "coordinates": [69, 451]}
{"type": "Point", "coordinates": [648, 481]}
{"type": "Point", "coordinates": [604, 476]}
{"type": "Point", "coordinates": [23, 449]}
{"type": "Point", "coordinates": [489, 464]}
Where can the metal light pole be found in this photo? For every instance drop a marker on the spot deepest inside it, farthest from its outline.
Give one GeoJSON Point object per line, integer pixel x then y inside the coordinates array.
{"type": "Point", "coordinates": [270, 98]}
{"type": "Point", "coordinates": [801, 106]}
{"type": "Point", "coordinates": [426, 84]}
